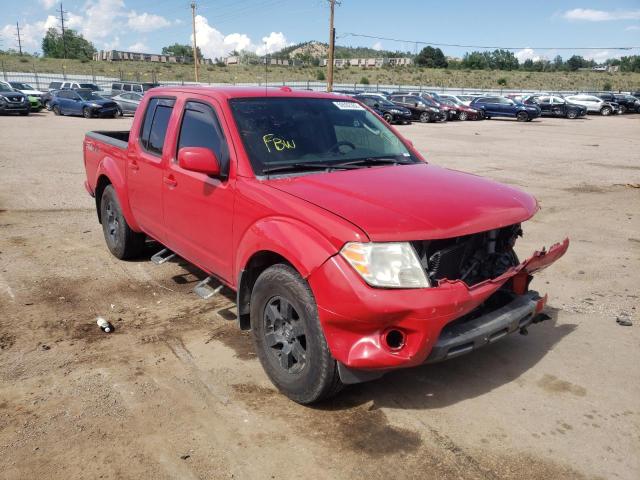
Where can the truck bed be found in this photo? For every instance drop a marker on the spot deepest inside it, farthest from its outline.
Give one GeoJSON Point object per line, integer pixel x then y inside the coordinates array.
{"type": "Point", "coordinates": [119, 138]}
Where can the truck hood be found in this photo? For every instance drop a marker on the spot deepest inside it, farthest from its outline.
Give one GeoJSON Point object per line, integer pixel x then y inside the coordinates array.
{"type": "Point", "coordinates": [412, 202]}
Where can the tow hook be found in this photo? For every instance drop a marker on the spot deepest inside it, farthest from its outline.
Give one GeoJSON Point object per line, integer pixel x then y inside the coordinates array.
{"type": "Point", "coordinates": [541, 317]}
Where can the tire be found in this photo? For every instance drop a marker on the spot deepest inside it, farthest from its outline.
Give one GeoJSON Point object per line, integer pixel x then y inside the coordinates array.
{"type": "Point", "coordinates": [572, 114]}
{"type": "Point", "coordinates": [118, 113]}
{"type": "Point", "coordinates": [522, 117]}
{"type": "Point", "coordinates": [122, 242]}
{"type": "Point", "coordinates": [47, 105]}
{"type": "Point", "coordinates": [284, 318]}
{"type": "Point", "coordinates": [424, 117]}
{"type": "Point", "coordinates": [462, 116]}
{"type": "Point", "coordinates": [623, 109]}
{"type": "Point", "coordinates": [56, 110]}
{"type": "Point", "coordinates": [605, 111]}
{"type": "Point", "coordinates": [86, 112]}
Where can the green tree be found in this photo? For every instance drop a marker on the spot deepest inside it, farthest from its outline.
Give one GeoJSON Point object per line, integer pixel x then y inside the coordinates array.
{"type": "Point", "coordinates": [180, 50]}
{"type": "Point", "coordinates": [576, 62]}
{"type": "Point", "coordinates": [76, 46]}
{"type": "Point", "coordinates": [431, 58]}
{"type": "Point", "coordinates": [475, 61]}
{"type": "Point", "coordinates": [558, 63]}
{"type": "Point", "coordinates": [504, 60]}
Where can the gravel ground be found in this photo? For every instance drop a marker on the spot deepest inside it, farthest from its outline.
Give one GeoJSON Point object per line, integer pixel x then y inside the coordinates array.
{"type": "Point", "coordinates": [177, 392]}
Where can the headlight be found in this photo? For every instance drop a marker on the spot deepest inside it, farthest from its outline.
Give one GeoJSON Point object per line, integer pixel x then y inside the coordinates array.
{"type": "Point", "coordinates": [94, 105]}
{"type": "Point", "coordinates": [387, 265]}
{"type": "Point", "coordinates": [2, 99]}
{"type": "Point", "coordinates": [393, 110]}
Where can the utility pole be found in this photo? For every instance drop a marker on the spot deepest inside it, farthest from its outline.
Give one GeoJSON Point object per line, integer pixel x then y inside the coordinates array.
{"type": "Point", "coordinates": [195, 45]}
{"type": "Point", "coordinates": [332, 41]}
{"type": "Point", "coordinates": [19, 40]}
{"type": "Point", "coordinates": [64, 40]}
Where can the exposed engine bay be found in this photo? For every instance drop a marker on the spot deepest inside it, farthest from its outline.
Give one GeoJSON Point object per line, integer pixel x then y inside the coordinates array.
{"type": "Point", "coordinates": [471, 258]}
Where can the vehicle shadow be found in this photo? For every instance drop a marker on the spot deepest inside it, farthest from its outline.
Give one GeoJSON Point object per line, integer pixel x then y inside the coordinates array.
{"type": "Point", "coordinates": [447, 383]}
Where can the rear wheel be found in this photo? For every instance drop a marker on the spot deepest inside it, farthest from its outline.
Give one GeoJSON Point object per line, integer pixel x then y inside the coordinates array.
{"type": "Point", "coordinates": [522, 116]}
{"type": "Point", "coordinates": [122, 242]}
{"type": "Point", "coordinates": [623, 109]}
{"type": "Point", "coordinates": [424, 117]}
{"type": "Point", "coordinates": [56, 110]}
{"type": "Point", "coordinates": [605, 111]}
{"type": "Point", "coordinates": [288, 337]}
{"type": "Point", "coordinates": [86, 112]}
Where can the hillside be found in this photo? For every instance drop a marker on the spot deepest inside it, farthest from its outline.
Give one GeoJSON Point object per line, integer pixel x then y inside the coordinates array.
{"type": "Point", "coordinates": [472, 79]}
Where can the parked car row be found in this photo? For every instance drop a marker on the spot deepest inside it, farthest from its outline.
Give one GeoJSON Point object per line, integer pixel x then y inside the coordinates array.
{"type": "Point", "coordinates": [399, 107]}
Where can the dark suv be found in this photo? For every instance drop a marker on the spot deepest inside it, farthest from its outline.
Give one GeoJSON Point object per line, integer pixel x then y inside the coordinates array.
{"type": "Point", "coordinates": [505, 107]}
{"type": "Point", "coordinates": [628, 103]}
{"type": "Point", "coordinates": [420, 108]}
{"type": "Point", "coordinates": [554, 106]}
{"type": "Point", "coordinates": [391, 112]}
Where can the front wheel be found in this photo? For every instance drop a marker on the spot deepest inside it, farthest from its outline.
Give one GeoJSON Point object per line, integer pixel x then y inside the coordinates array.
{"type": "Point", "coordinates": [118, 113]}
{"type": "Point", "coordinates": [86, 112]}
{"type": "Point", "coordinates": [462, 116]}
{"type": "Point", "coordinates": [623, 109]}
{"type": "Point", "coordinates": [424, 117]}
{"type": "Point", "coordinates": [388, 117]}
{"type": "Point", "coordinates": [572, 114]}
{"type": "Point", "coordinates": [288, 337]}
{"type": "Point", "coordinates": [522, 116]}
{"type": "Point", "coordinates": [605, 111]}
{"type": "Point", "coordinates": [122, 242]}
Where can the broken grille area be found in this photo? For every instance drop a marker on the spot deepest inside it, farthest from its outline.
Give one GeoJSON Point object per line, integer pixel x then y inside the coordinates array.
{"type": "Point", "coordinates": [470, 258]}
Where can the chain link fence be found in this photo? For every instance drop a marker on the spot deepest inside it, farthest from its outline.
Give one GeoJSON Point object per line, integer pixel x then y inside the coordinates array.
{"type": "Point", "coordinates": [41, 81]}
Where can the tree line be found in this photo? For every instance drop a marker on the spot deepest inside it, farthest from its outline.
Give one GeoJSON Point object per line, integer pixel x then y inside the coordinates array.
{"type": "Point", "coordinates": [500, 59]}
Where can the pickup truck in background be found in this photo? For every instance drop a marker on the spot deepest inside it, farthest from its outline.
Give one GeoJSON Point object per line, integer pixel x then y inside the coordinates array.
{"type": "Point", "coordinates": [349, 254]}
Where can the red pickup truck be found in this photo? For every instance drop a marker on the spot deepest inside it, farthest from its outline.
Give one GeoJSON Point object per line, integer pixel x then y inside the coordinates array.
{"type": "Point", "coordinates": [350, 255]}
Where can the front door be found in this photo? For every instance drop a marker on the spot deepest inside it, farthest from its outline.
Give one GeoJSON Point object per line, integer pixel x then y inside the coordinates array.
{"type": "Point", "coordinates": [145, 167]}
{"type": "Point", "coordinates": [198, 209]}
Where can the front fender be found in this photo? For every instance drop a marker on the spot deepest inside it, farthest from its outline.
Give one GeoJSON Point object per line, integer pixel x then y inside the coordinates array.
{"type": "Point", "coordinates": [300, 244]}
{"type": "Point", "coordinates": [111, 168]}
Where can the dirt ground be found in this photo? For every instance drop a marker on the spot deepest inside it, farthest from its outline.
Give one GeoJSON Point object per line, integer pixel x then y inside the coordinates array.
{"type": "Point", "coordinates": [177, 392]}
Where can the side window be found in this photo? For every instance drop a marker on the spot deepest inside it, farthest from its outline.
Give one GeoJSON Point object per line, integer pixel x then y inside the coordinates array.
{"type": "Point", "coordinates": [200, 128]}
{"type": "Point", "coordinates": [126, 88]}
{"type": "Point", "coordinates": [544, 100]}
{"type": "Point", "coordinates": [156, 120]}
{"type": "Point", "coordinates": [137, 88]}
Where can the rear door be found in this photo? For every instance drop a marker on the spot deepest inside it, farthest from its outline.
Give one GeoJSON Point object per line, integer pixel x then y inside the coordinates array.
{"type": "Point", "coordinates": [545, 105]}
{"type": "Point", "coordinates": [198, 209]}
{"type": "Point", "coordinates": [145, 166]}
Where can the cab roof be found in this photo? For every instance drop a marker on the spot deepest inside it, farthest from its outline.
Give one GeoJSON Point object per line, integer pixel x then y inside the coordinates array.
{"type": "Point", "coordinates": [230, 92]}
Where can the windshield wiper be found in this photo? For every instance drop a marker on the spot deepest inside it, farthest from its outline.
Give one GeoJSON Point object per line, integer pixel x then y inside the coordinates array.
{"type": "Point", "coordinates": [374, 160]}
{"type": "Point", "coordinates": [304, 165]}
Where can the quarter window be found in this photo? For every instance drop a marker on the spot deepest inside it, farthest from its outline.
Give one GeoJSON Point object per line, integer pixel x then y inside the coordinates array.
{"type": "Point", "coordinates": [155, 124]}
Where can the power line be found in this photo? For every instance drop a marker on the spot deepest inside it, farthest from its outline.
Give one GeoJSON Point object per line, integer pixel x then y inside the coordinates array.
{"type": "Point", "coordinates": [436, 44]}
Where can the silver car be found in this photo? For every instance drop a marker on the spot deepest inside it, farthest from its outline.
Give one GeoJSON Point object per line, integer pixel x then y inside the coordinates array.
{"type": "Point", "coordinates": [127, 102]}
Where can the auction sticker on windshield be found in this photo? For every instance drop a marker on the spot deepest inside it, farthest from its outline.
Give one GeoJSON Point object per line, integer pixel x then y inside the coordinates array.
{"type": "Point", "coordinates": [348, 105]}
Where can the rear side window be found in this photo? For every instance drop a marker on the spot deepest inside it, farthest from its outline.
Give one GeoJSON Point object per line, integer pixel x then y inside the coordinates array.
{"type": "Point", "coordinates": [137, 88]}
{"type": "Point", "coordinates": [156, 120]}
{"type": "Point", "coordinates": [200, 128]}
{"type": "Point", "coordinates": [126, 88]}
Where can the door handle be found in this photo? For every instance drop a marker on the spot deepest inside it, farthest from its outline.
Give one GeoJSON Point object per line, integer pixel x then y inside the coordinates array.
{"type": "Point", "coordinates": [134, 165]}
{"type": "Point", "coordinates": [170, 180]}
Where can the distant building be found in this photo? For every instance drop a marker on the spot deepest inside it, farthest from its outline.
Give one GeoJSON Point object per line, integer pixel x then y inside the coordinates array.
{"type": "Point", "coordinates": [119, 56]}
{"type": "Point", "coordinates": [377, 62]}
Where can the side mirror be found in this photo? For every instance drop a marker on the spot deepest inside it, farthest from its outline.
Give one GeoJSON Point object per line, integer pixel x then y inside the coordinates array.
{"type": "Point", "coordinates": [199, 159]}
{"type": "Point", "coordinates": [376, 105]}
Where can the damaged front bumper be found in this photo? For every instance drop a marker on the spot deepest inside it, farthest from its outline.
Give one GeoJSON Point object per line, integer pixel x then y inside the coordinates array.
{"type": "Point", "coordinates": [357, 319]}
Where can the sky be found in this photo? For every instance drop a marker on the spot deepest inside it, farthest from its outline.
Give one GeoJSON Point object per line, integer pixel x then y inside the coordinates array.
{"type": "Point", "coordinates": [265, 26]}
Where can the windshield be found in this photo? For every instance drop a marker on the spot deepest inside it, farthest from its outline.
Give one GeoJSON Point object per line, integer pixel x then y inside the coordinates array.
{"type": "Point", "coordinates": [5, 88]}
{"type": "Point", "coordinates": [453, 100]}
{"type": "Point", "coordinates": [89, 96]}
{"type": "Point", "coordinates": [22, 86]}
{"type": "Point", "coordinates": [296, 132]}
{"type": "Point", "coordinates": [90, 86]}
{"type": "Point", "coordinates": [383, 102]}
